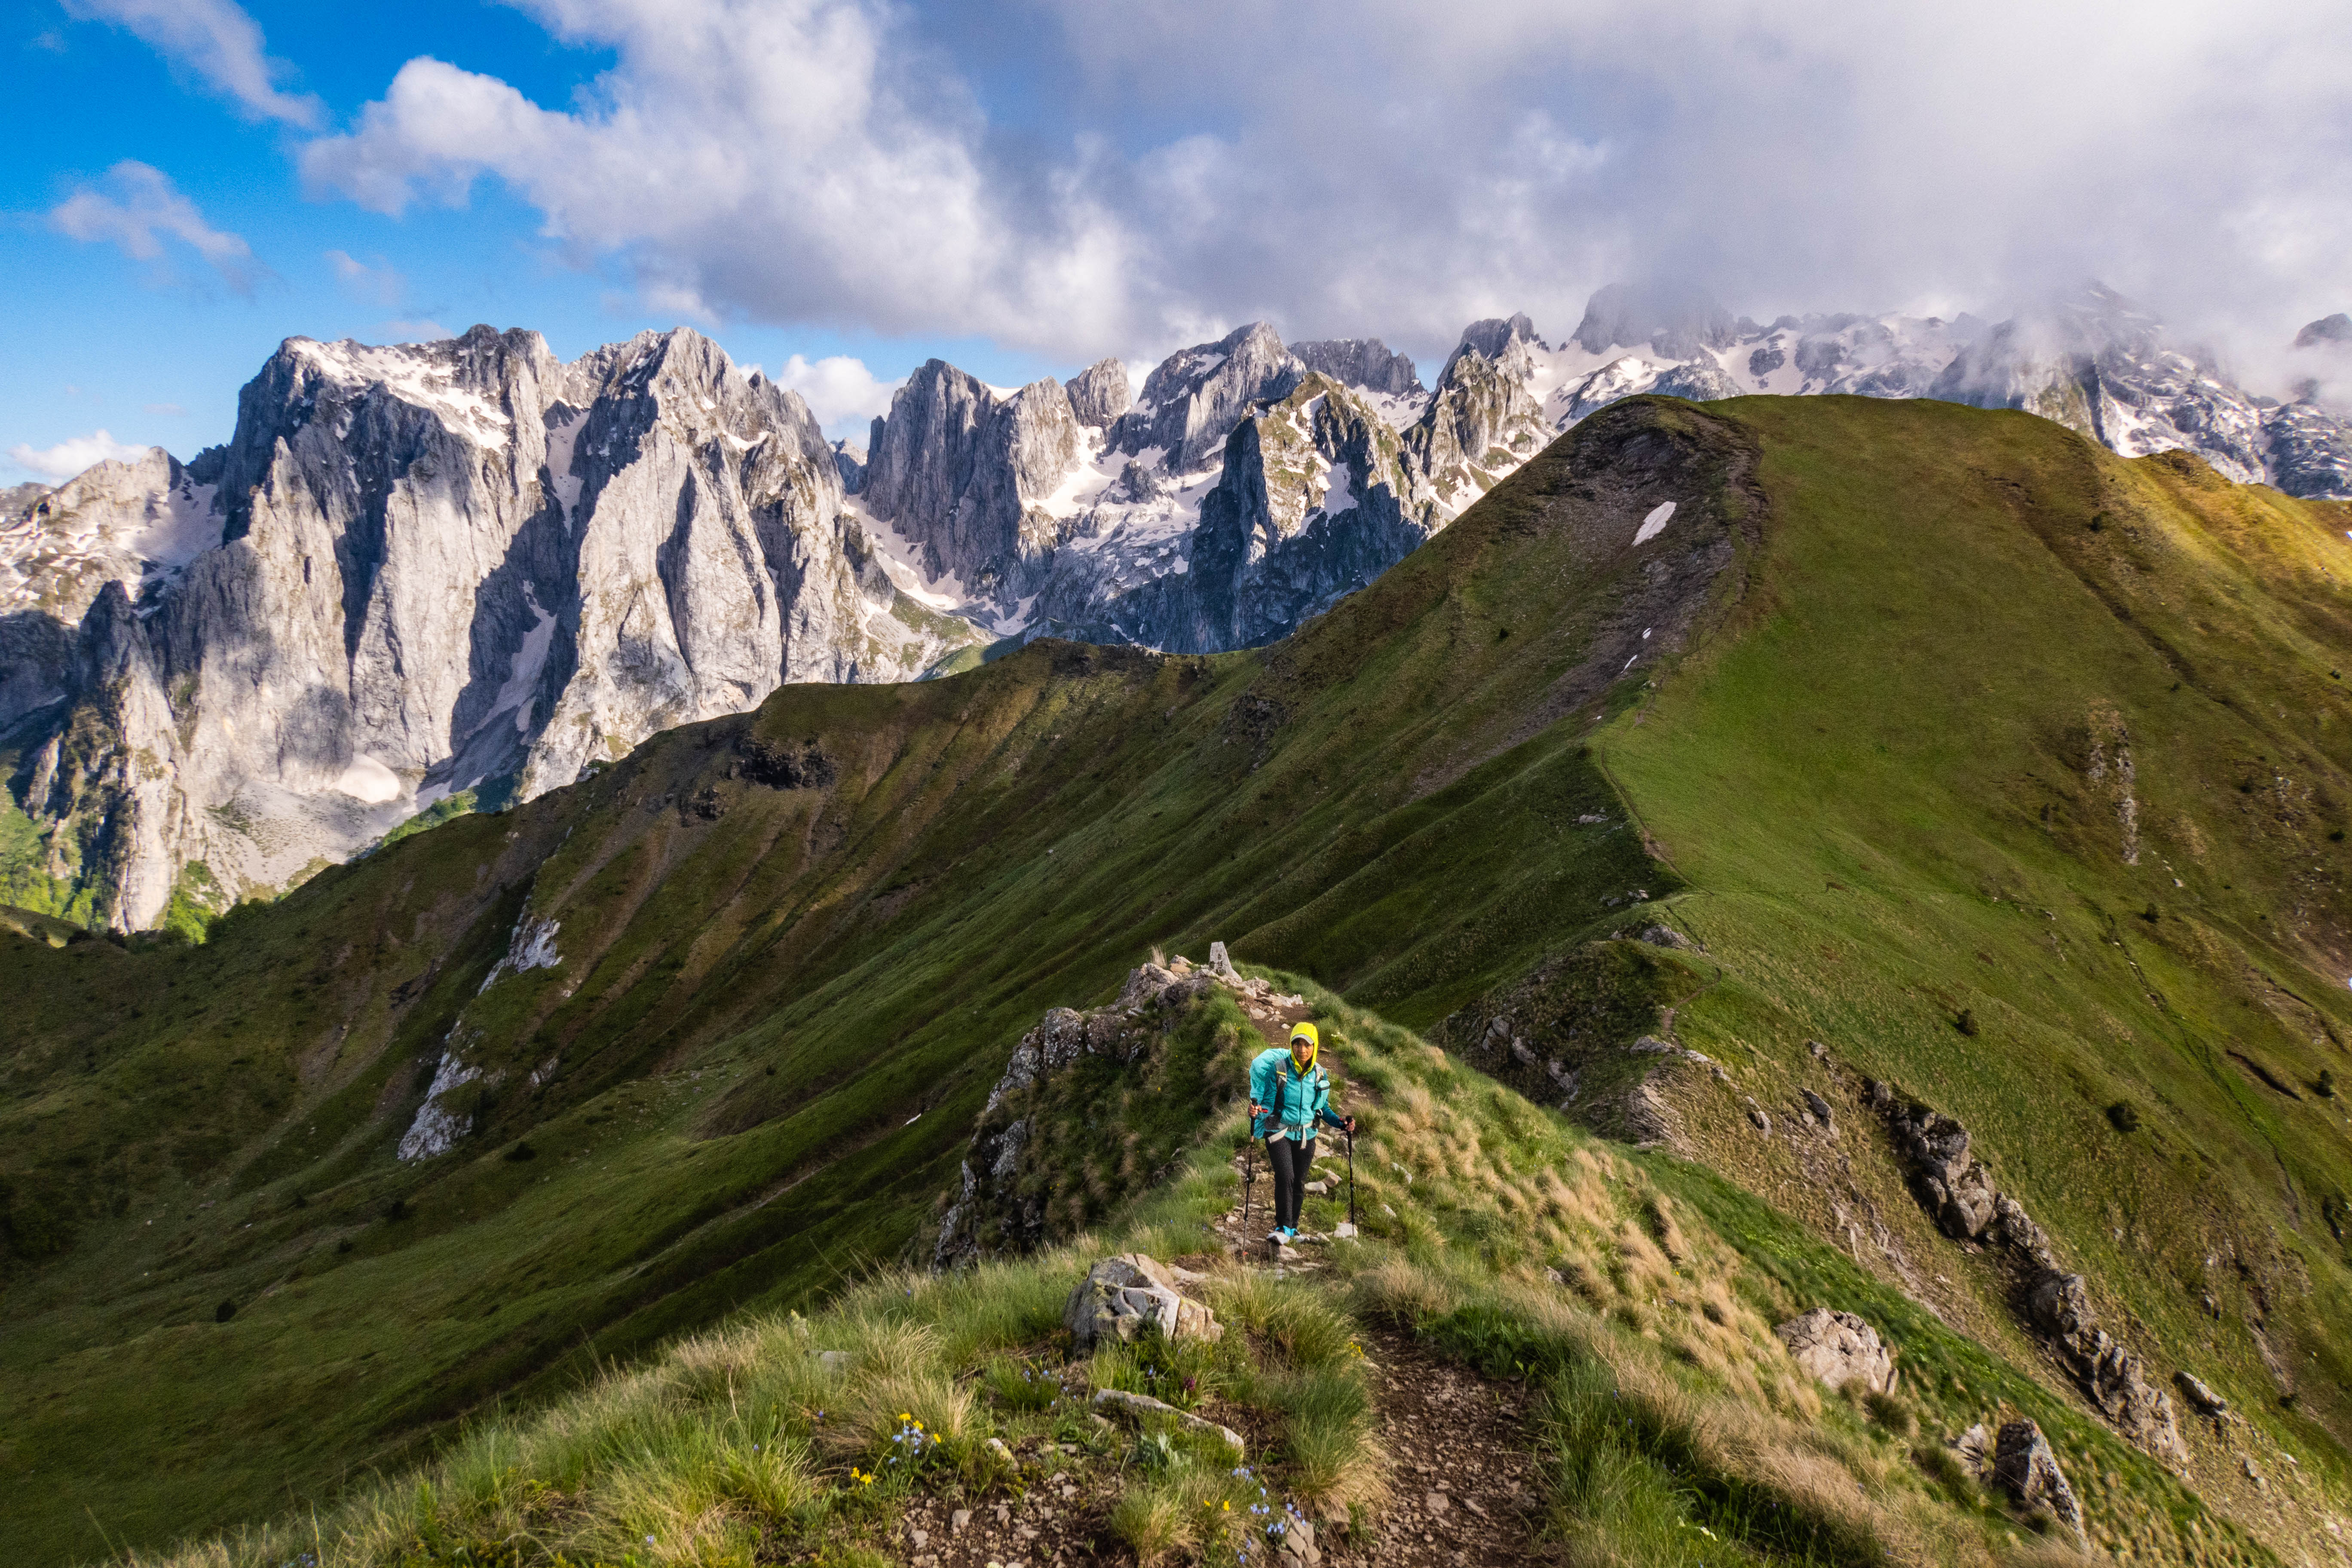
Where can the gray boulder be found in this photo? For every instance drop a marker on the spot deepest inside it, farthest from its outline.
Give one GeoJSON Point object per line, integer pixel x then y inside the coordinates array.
{"type": "Point", "coordinates": [1126, 1296]}
{"type": "Point", "coordinates": [1838, 1348]}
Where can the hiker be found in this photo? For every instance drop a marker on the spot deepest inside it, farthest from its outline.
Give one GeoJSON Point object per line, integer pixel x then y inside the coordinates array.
{"type": "Point", "coordinates": [1290, 1101]}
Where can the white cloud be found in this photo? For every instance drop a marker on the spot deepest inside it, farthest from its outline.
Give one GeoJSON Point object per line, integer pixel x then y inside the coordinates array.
{"type": "Point", "coordinates": [380, 284]}
{"type": "Point", "coordinates": [420, 331]}
{"type": "Point", "coordinates": [840, 391]}
{"type": "Point", "coordinates": [61, 462]}
{"type": "Point", "coordinates": [213, 39]}
{"type": "Point", "coordinates": [1388, 166]}
{"type": "Point", "coordinates": [143, 210]}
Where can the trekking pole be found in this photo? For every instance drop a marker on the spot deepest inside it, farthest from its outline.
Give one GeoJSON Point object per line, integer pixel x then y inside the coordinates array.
{"type": "Point", "coordinates": [1351, 1177]}
{"type": "Point", "coordinates": [1249, 1181]}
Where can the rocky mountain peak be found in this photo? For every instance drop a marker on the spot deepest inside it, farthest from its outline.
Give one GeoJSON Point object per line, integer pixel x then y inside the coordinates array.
{"type": "Point", "coordinates": [2334, 329]}
{"type": "Point", "coordinates": [1191, 400]}
{"type": "Point", "coordinates": [1494, 337]}
{"type": "Point", "coordinates": [1367, 362]}
{"type": "Point", "coordinates": [1099, 394]}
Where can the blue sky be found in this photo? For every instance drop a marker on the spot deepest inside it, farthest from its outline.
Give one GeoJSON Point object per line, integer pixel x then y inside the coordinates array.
{"type": "Point", "coordinates": [1022, 186]}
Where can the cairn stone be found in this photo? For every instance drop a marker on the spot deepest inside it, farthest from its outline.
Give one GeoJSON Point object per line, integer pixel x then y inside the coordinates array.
{"type": "Point", "coordinates": [1838, 1348]}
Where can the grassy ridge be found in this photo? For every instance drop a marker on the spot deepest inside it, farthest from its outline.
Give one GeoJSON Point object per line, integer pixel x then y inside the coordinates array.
{"type": "Point", "coordinates": [1673, 1427]}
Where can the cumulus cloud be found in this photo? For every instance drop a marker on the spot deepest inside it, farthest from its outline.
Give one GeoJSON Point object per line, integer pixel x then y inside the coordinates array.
{"type": "Point", "coordinates": [139, 209]}
{"type": "Point", "coordinates": [380, 284]}
{"type": "Point", "coordinates": [215, 41]}
{"type": "Point", "coordinates": [61, 462]}
{"type": "Point", "coordinates": [1153, 173]}
{"type": "Point", "coordinates": [840, 391]}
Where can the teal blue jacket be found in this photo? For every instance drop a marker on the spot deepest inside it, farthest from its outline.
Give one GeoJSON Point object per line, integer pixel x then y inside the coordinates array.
{"type": "Point", "coordinates": [1293, 1103]}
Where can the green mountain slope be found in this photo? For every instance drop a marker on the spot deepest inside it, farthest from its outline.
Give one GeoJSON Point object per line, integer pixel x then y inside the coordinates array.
{"type": "Point", "coordinates": [1867, 696]}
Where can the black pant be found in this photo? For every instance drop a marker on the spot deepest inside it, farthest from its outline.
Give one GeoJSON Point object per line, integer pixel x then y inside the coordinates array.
{"type": "Point", "coordinates": [1289, 1159]}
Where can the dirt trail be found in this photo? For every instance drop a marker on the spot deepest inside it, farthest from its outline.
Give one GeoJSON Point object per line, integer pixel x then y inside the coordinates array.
{"type": "Point", "coordinates": [1464, 1487]}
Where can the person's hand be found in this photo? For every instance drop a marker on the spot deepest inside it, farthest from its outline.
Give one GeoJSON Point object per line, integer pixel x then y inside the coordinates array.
{"type": "Point", "coordinates": [1350, 1124]}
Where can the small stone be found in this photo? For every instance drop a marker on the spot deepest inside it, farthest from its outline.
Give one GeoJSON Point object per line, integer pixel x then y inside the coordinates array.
{"type": "Point", "coordinates": [921, 1538]}
{"type": "Point", "coordinates": [1820, 1052]}
{"type": "Point", "coordinates": [1319, 1189]}
{"type": "Point", "coordinates": [2207, 1402]}
{"type": "Point", "coordinates": [1820, 1110]}
{"type": "Point", "coordinates": [958, 1519]}
{"type": "Point", "coordinates": [1343, 1231]}
{"type": "Point", "coordinates": [835, 1362]}
{"type": "Point", "coordinates": [1436, 1502]}
{"type": "Point", "coordinates": [1756, 1114]}
{"type": "Point", "coordinates": [1137, 1407]}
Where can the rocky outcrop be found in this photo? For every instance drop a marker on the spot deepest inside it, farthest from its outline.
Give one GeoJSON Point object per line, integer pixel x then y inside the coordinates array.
{"type": "Point", "coordinates": [136, 523]}
{"type": "Point", "coordinates": [2334, 329]}
{"type": "Point", "coordinates": [1001, 1204]}
{"type": "Point", "coordinates": [2308, 449]}
{"type": "Point", "coordinates": [1194, 400]}
{"type": "Point", "coordinates": [1099, 394]}
{"type": "Point", "coordinates": [1958, 1191]}
{"type": "Point", "coordinates": [2026, 1467]}
{"type": "Point", "coordinates": [1142, 1407]}
{"type": "Point", "coordinates": [849, 461]}
{"type": "Point", "coordinates": [1365, 363]}
{"type": "Point", "coordinates": [1837, 1348]}
{"type": "Point", "coordinates": [1122, 1299]}
{"type": "Point", "coordinates": [996, 1210]}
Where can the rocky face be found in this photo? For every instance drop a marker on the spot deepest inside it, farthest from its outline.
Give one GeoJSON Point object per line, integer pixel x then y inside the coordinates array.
{"type": "Point", "coordinates": [134, 522]}
{"type": "Point", "coordinates": [1191, 403]}
{"type": "Point", "coordinates": [2025, 1464]}
{"type": "Point", "coordinates": [1365, 363]}
{"type": "Point", "coordinates": [419, 570]}
{"type": "Point", "coordinates": [1676, 323]}
{"type": "Point", "coordinates": [1315, 501]}
{"type": "Point", "coordinates": [1483, 421]}
{"type": "Point", "coordinates": [2101, 367]}
{"type": "Point", "coordinates": [1099, 394]}
{"type": "Point", "coordinates": [957, 469]}
{"type": "Point", "coordinates": [998, 1208]}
